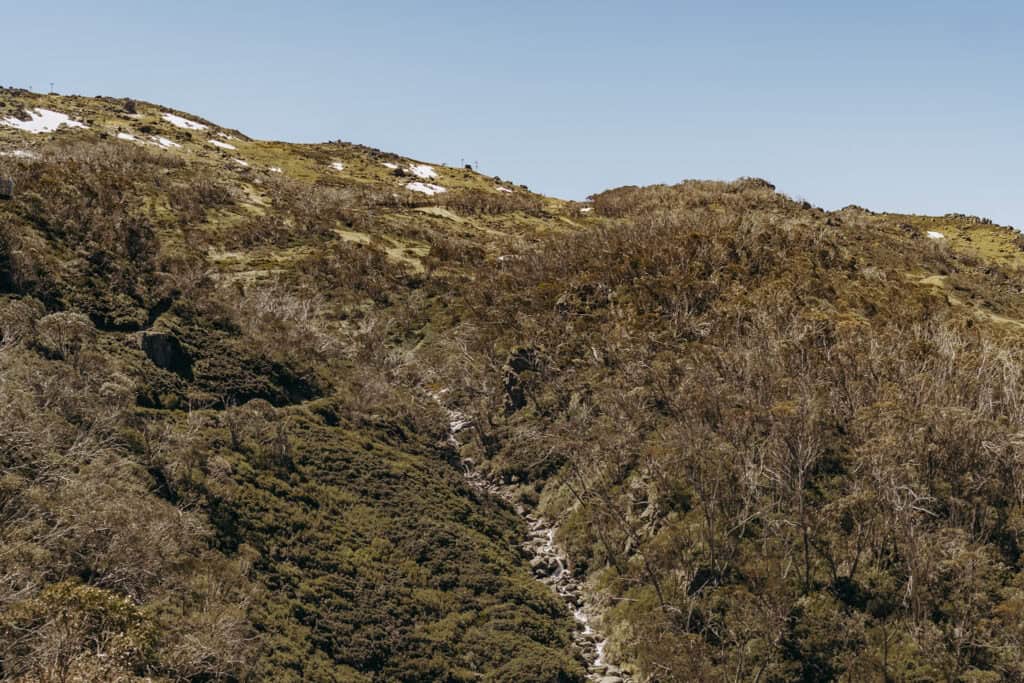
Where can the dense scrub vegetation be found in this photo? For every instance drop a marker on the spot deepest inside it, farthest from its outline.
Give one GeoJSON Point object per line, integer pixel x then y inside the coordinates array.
{"type": "Point", "coordinates": [781, 444]}
{"type": "Point", "coordinates": [776, 453]}
{"type": "Point", "coordinates": [217, 476]}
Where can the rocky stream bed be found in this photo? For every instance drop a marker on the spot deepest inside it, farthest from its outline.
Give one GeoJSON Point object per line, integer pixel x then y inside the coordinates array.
{"type": "Point", "coordinates": [549, 565]}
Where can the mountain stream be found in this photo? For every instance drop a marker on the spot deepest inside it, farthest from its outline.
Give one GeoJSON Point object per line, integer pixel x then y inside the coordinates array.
{"type": "Point", "coordinates": [548, 563]}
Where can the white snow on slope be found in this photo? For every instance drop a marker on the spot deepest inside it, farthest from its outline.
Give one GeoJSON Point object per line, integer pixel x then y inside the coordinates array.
{"type": "Point", "coordinates": [165, 143]}
{"type": "Point", "coordinates": [182, 122]}
{"type": "Point", "coordinates": [388, 164]}
{"type": "Point", "coordinates": [423, 171]}
{"type": "Point", "coordinates": [275, 169]}
{"type": "Point", "coordinates": [586, 209]}
{"type": "Point", "coordinates": [42, 121]}
{"type": "Point", "coordinates": [425, 188]}
{"type": "Point", "coordinates": [20, 154]}
{"type": "Point", "coordinates": [337, 166]}
{"type": "Point", "coordinates": [241, 162]}
{"type": "Point", "coordinates": [935, 235]}
{"type": "Point", "coordinates": [222, 145]}
{"type": "Point", "coordinates": [499, 188]}
{"type": "Point", "coordinates": [126, 136]}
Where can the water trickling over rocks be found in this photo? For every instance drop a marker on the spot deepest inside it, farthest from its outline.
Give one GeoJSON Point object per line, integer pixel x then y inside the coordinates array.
{"type": "Point", "coordinates": [548, 563]}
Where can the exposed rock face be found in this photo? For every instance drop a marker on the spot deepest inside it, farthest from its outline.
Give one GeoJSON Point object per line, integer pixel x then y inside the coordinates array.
{"type": "Point", "coordinates": [519, 361]}
{"type": "Point", "coordinates": [166, 352]}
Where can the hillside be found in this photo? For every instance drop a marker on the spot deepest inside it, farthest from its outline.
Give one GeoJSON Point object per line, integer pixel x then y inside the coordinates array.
{"type": "Point", "coordinates": [772, 442]}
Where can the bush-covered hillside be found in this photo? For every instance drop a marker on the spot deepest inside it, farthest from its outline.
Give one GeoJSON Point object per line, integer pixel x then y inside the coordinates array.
{"type": "Point", "coordinates": [212, 466]}
{"type": "Point", "coordinates": [780, 444]}
{"type": "Point", "coordinates": [784, 444]}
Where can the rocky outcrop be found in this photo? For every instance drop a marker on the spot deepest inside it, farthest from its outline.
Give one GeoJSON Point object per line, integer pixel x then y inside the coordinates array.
{"type": "Point", "coordinates": [166, 352]}
{"type": "Point", "coordinates": [518, 362]}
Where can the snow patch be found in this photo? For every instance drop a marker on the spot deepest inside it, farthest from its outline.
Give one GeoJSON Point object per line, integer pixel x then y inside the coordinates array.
{"type": "Point", "coordinates": [388, 164]}
{"type": "Point", "coordinates": [165, 143]}
{"type": "Point", "coordinates": [126, 136]}
{"type": "Point", "coordinates": [222, 145]}
{"type": "Point", "coordinates": [423, 171]}
{"type": "Point", "coordinates": [586, 209]}
{"type": "Point", "coordinates": [337, 166]}
{"type": "Point", "coordinates": [42, 121]}
{"type": "Point", "coordinates": [275, 169]}
{"type": "Point", "coordinates": [182, 122]}
{"type": "Point", "coordinates": [425, 188]}
{"type": "Point", "coordinates": [499, 188]}
{"type": "Point", "coordinates": [20, 154]}
{"type": "Point", "coordinates": [241, 162]}
{"type": "Point", "coordinates": [935, 235]}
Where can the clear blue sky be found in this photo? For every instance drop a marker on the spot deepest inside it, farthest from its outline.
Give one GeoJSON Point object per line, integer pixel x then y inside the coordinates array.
{"type": "Point", "coordinates": [915, 106]}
